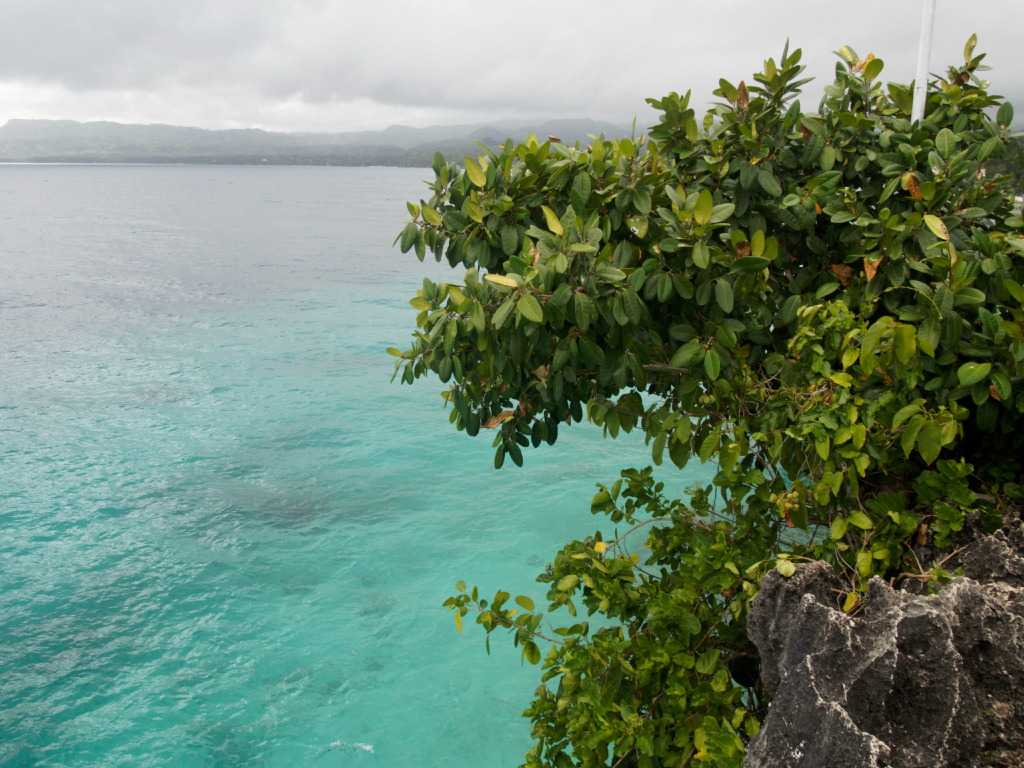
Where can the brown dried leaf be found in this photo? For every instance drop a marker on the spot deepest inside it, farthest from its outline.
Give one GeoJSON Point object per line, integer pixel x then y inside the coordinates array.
{"type": "Point", "coordinates": [844, 273]}
{"type": "Point", "coordinates": [805, 132]}
{"type": "Point", "coordinates": [496, 421]}
{"type": "Point", "coordinates": [743, 99]}
{"type": "Point", "coordinates": [743, 249]}
{"type": "Point", "coordinates": [992, 391]}
{"type": "Point", "coordinates": [536, 255]}
{"type": "Point", "coordinates": [542, 374]}
{"type": "Point", "coordinates": [554, 139]}
{"type": "Point", "coordinates": [922, 535]}
{"type": "Point", "coordinates": [914, 187]}
{"type": "Point", "coordinates": [871, 267]}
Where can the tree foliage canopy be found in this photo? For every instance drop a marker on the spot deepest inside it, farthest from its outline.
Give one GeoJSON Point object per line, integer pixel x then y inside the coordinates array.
{"type": "Point", "coordinates": [825, 305]}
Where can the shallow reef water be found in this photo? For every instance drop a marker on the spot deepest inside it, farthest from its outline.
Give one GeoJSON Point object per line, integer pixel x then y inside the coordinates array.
{"type": "Point", "coordinates": [224, 536]}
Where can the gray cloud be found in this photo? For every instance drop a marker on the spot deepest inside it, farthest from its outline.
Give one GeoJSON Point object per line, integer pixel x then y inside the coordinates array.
{"type": "Point", "coordinates": [318, 65]}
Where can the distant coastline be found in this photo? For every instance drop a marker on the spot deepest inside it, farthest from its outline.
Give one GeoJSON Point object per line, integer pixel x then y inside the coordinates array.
{"type": "Point", "coordinates": [68, 141]}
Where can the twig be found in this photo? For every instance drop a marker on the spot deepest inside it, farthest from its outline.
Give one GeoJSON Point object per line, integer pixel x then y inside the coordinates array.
{"type": "Point", "coordinates": [641, 525]}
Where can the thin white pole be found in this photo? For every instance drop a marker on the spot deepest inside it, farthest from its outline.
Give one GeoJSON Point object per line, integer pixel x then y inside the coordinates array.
{"type": "Point", "coordinates": [924, 53]}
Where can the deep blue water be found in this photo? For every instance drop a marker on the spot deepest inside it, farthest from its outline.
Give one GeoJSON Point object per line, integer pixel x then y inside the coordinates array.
{"type": "Point", "coordinates": [224, 536]}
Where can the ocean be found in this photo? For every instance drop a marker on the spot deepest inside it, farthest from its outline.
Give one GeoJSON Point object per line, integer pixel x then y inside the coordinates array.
{"type": "Point", "coordinates": [225, 538]}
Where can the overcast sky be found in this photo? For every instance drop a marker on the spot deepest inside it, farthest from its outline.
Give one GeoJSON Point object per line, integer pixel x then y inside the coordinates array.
{"type": "Point", "coordinates": [340, 65]}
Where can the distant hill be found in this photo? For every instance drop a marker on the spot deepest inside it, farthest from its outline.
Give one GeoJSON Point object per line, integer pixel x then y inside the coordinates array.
{"type": "Point", "coordinates": [68, 141]}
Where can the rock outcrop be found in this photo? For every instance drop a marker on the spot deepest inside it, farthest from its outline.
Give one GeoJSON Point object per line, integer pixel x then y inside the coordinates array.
{"type": "Point", "coordinates": [911, 681]}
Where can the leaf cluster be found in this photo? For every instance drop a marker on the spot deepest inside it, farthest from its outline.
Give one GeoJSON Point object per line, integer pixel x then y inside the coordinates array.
{"type": "Point", "coordinates": [827, 306]}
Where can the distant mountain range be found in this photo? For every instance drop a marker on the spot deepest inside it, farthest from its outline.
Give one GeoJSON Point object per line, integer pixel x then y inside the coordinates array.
{"type": "Point", "coordinates": [68, 141]}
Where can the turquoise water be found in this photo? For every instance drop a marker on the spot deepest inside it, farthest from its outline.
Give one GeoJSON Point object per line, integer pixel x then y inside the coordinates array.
{"type": "Point", "coordinates": [224, 537]}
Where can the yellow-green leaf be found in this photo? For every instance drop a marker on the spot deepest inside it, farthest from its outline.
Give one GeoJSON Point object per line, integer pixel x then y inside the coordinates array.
{"type": "Point", "coordinates": [501, 280]}
{"type": "Point", "coordinates": [972, 373]}
{"type": "Point", "coordinates": [785, 568]}
{"type": "Point", "coordinates": [458, 620]}
{"type": "Point", "coordinates": [474, 212]}
{"type": "Point", "coordinates": [851, 601]}
{"type": "Point", "coordinates": [702, 210]}
{"type": "Point", "coordinates": [937, 227]}
{"type": "Point", "coordinates": [431, 216]}
{"type": "Point", "coordinates": [476, 173]}
{"type": "Point", "coordinates": [552, 219]}
{"type": "Point", "coordinates": [757, 243]}
{"type": "Point", "coordinates": [420, 303]}
{"type": "Point", "coordinates": [568, 582]}
{"type": "Point", "coordinates": [861, 520]}
{"type": "Point", "coordinates": [842, 379]}
{"type": "Point", "coordinates": [525, 602]}
{"type": "Point", "coordinates": [864, 564]}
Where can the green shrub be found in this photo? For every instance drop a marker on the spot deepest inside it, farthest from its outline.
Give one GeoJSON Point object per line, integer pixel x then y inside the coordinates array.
{"type": "Point", "coordinates": [827, 306]}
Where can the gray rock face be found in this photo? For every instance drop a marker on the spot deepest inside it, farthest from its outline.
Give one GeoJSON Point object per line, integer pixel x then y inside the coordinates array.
{"type": "Point", "coordinates": [910, 682]}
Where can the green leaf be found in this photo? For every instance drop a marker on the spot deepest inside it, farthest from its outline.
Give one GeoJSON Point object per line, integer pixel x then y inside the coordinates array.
{"type": "Point", "coordinates": [701, 255]}
{"type": "Point", "coordinates": [709, 446]}
{"type": "Point", "coordinates": [839, 526]}
{"type": "Point", "coordinates": [721, 212]}
{"type": "Point", "coordinates": [583, 307]}
{"type": "Point", "coordinates": [707, 661]}
{"type": "Point", "coordinates": [1004, 117]}
{"type": "Point", "coordinates": [532, 652]}
{"type": "Point", "coordinates": [750, 264]}
{"type": "Point", "coordinates": [861, 520]}
{"type": "Point", "coordinates": [409, 235]}
{"type": "Point", "coordinates": [525, 602]}
{"type": "Point", "coordinates": [530, 308]}
{"type": "Point", "coordinates": [873, 69]}
{"type": "Point", "coordinates": [972, 373]}
{"type": "Point", "coordinates": [683, 354]}
{"type": "Point", "coordinates": [905, 342]}
{"type": "Point", "coordinates": [474, 212]}
{"type": "Point", "coordinates": [929, 442]}
{"type": "Point", "coordinates": [724, 297]}
{"type": "Point", "coordinates": [631, 306]}
{"type": "Point", "coordinates": [702, 210]}
{"type": "Point", "coordinates": [787, 314]}
{"type": "Point", "coordinates": [502, 314]}
{"type": "Point", "coordinates": [910, 434]}
{"type": "Point", "coordinates": [477, 317]}
{"type": "Point", "coordinates": [769, 183]}
{"type": "Point", "coordinates": [828, 156]}
{"type": "Point", "coordinates": [712, 365]}
{"type": "Point", "coordinates": [785, 568]}
{"type": "Point", "coordinates": [658, 448]}
{"type": "Point", "coordinates": [509, 240]}
{"type": "Point", "coordinates": [945, 143]}
{"type": "Point", "coordinates": [903, 414]}
{"type": "Point", "coordinates": [729, 90]}
{"type": "Point", "coordinates": [1014, 289]}
{"type": "Point", "coordinates": [476, 173]}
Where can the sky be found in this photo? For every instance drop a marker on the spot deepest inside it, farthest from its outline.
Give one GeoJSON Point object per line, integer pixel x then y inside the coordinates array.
{"type": "Point", "coordinates": [341, 65]}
